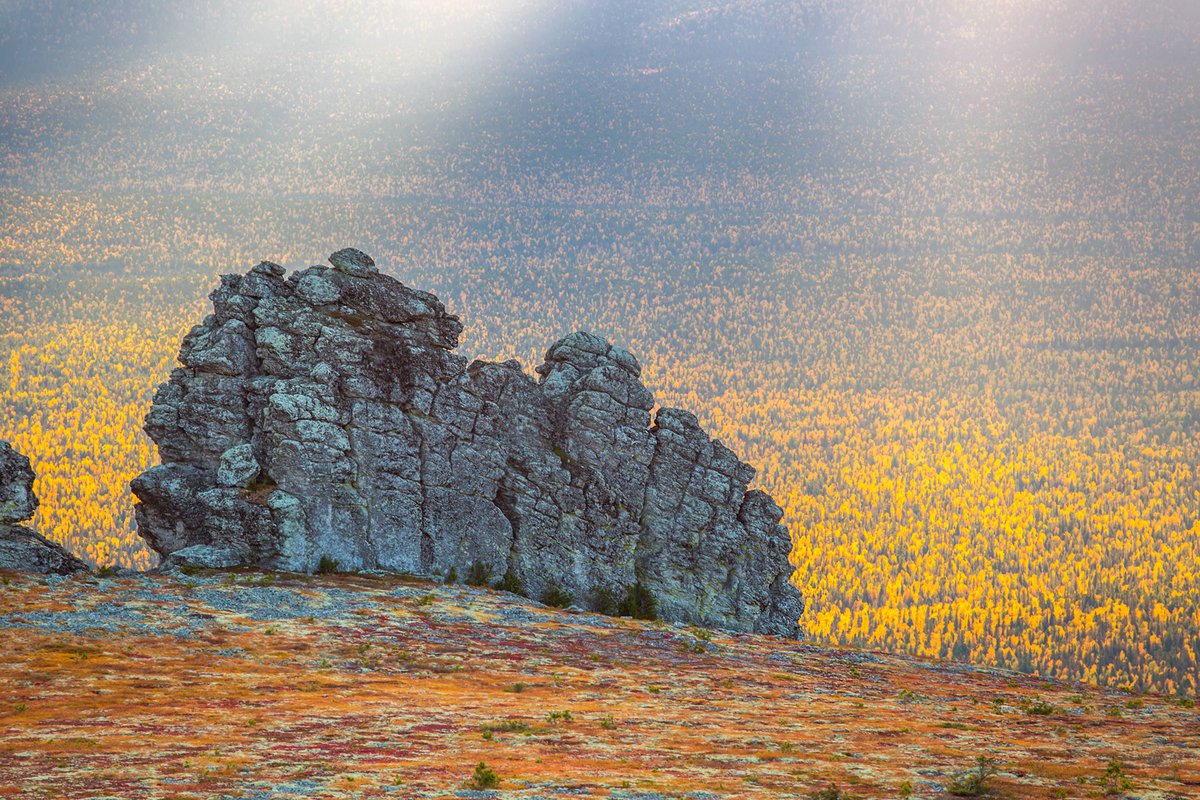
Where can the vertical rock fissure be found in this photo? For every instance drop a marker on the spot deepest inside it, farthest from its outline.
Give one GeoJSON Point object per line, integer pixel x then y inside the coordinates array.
{"type": "Point", "coordinates": [506, 502]}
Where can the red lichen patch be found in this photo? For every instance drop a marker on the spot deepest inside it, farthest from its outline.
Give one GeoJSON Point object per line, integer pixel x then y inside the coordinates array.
{"type": "Point", "coordinates": [246, 684]}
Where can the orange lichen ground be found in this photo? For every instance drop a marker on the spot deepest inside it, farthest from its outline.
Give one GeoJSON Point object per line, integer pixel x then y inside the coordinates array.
{"type": "Point", "coordinates": [278, 686]}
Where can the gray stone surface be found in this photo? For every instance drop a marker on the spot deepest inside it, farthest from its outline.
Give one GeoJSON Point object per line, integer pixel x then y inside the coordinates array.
{"type": "Point", "coordinates": [325, 414]}
{"type": "Point", "coordinates": [17, 500]}
{"type": "Point", "coordinates": [20, 548]}
{"type": "Point", "coordinates": [201, 555]}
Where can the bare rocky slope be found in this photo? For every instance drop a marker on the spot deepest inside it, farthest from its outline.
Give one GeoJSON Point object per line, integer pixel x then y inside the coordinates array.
{"type": "Point", "coordinates": [321, 418]}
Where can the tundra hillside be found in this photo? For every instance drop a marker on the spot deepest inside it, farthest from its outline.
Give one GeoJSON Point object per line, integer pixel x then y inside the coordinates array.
{"type": "Point", "coordinates": [249, 684]}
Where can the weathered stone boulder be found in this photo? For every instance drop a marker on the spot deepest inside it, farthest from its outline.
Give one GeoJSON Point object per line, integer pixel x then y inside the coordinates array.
{"type": "Point", "coordinates": [20, 548]}
{"type": "Point", "coordinates": [17, 500]}
{"type": "Point", "coordinates": [324, 416]}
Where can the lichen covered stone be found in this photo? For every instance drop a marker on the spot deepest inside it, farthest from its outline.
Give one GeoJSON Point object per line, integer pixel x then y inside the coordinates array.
{"type": "Point", "coordinates": [324, 415]}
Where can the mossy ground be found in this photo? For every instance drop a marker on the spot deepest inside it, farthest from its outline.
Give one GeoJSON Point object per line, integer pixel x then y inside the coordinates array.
{"type": "Point", "coordinates": [227, 685]}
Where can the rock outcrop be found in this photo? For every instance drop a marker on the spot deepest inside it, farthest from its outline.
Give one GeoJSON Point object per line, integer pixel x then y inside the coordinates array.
{"type": "Point", "coordinates": [20, 548]}
{"type": "Point", "coordinates": [323, 417]}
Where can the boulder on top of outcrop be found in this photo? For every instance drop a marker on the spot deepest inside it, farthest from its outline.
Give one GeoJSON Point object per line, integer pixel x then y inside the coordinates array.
{"type": "Point", "coordinates": [20, 548]}
{"type": "Point", "coordinates": [322, 416]}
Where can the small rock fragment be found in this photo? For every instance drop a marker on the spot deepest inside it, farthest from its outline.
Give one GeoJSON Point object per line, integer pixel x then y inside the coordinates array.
{"type": "Point", "coordinates": [238, 467]}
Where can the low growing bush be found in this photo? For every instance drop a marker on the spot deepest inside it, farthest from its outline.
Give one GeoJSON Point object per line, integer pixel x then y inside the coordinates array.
{"type": "Point", "coordinates": [639, 603]}
{"type": "Point", "coordinates": [975, 783]}
{"type": "Point", "coordinates": [510, 583]}
{"type": "Point", "coordinates": [484, 778]}
{"type": "Point", "coordinates": [480, 574]}
{"type": "Point", "coordinates": [556, 596]}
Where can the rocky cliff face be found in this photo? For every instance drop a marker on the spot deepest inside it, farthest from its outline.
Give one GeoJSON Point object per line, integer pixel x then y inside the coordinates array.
{"type": "Point", "coordinates": [20, 548]}
{"type": "Point", "coordinates": [323, 415]}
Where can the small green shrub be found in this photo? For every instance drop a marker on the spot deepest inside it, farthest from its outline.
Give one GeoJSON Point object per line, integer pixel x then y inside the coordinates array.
{"type": "Point", "coordinates": [484, 778]}
{"type": "Point", "coordinates": [480, 574]}
{"type": "Point", "coordinates": [327, 565]}
{"type": "Point", "coordinates": [605, 602]}
{"type": "Point", "coordinates": [1040, 708]}
{"type": "Point", "coordinates": [1114, 781]}
{"type": "Point", "coordinates": [107, 571]}
{"type": "Point", "coordinates": [556, 596]}
{"type": "Point", "coordinates": [510, 583]}
{"type": "Point", "coordinates": [607, 722]}
{"type": "Point", "coordinates": [452, 575]}
{"type": "Point", "coordinates": [830, 792]}
{"type": "Point", "coordinates": [975, 783]}
{"type": "Point", "coordinates": [639, 603]}
{"type": "Point", "coordinates": [559, 716]}
{"type": "Point", "coordinates": [508, 726]}
{"type": "Point", "coordinates": [516, 688]}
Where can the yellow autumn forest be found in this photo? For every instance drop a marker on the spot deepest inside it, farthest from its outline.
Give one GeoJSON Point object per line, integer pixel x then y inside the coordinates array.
{"type": "Point", "coordinates": [964, 476]}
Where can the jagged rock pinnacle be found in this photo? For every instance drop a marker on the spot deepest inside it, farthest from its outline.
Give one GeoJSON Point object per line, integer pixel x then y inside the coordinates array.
{"type": "Point", "coordinates": [324, 416]}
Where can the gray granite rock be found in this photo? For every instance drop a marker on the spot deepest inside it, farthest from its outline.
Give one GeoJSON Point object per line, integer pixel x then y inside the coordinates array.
{"type": "Point", "coordinates": [238, 467]}
{"type": "Point", "coordinates": [17, 500]}
{"type": "Point", "coordinates": [201, 555]}
{"type": "Point", "coordinates": [324, 415]}
{"type": "Point", "coordinates": [20, 548]}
